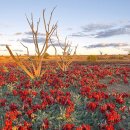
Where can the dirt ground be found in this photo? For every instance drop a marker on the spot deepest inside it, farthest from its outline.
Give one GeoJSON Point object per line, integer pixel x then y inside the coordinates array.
{"type": "Point", "coordinates": [119, 88]}
{"type": "Point", "coordinates": [99, 58]}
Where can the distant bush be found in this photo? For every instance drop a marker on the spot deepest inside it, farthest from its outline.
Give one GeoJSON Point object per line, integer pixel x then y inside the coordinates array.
{"type": "Point", "coordinates": [46, 56]}
{"type": "Point", "coordinates": [112, 57]}
{"type": "Point", "coordinates": [120, 57]}
{"type": "Point", "coordinates": [92, 58]}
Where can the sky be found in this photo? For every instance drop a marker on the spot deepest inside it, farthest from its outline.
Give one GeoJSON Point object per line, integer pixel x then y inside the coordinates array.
{"type": "Point", "coordinates": [95, 25]}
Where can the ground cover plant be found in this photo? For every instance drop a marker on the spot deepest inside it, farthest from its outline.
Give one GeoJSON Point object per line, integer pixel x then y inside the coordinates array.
{"type": "Point", "coordinates": [82, 98]}
{"type": "Point", "coordinates": [64, 71]}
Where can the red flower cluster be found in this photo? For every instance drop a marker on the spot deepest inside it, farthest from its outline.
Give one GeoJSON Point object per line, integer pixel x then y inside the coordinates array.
{"type": "Point", "coordinates": [113, 117]}
{"type": "Point", "coordinates": [79, 92]}
{"type": "Point", "coordinates": [68, 127]}
{"type": "Point", "coordinates": [84, 127]}
{"type": "Point", "coordinates": [92, 105]}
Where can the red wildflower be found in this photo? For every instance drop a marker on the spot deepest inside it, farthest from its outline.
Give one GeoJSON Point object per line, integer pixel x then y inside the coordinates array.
{"type": "Point", "coordinates": [13, 106]}
{"type": "Point", "coordinates": [103, 108]}
{"type": "Point", "coordinates": [28, 100]}
{"type": "Point", "coordinates": [68, 127]}
{"type": "Point", "coordinates": [27, 124]}
{"type": "Point", "coordinates": [2, 80]}
{"type": "Point", "coordinates": [25, 106]}
{"type": "Point", "coordinates": [36, 107]}
{"type": "Point", "coordinates": [107, 106]}
{"type": "Point", "coordinates": [92, 105]}
{"type": "Point", "coordinates": [123, 108]}
{"type": "Point", "coordinates": [109, 127]}
{"type": "Point", "coordinates": [85, 90]}
{"type": "Point", "coordinates": [113, 117]}
{"type": "Point", "coordinates": [45, 124]}
{"type": "Point", "coordinates": [69, 110]}
{"type": "Point", "coordinates": [29, 113]}
{"type": "Point", "coordinates": [120, 100]}
{"type": "Point", "coordinates": [34, 93]}
{"type": "Point", "coordinates": [44, 104]}
{"type": "Point", "coordinates": [84, 127]}
{"type": "Point", "coordinates": [98, 95]}
{"type": "Point", "coordinates": [8, 122]}
{"type": "Point", "coordinates": [15, 93]}
{"type": "Point", "coordinates": [125, 80]}
{"type": "Point", "coordinates": [3, 102]}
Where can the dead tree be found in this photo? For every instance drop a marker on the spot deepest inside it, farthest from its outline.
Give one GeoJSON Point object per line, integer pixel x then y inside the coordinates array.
{"type": "Point", "coordinates": [67, 56]}
{"type": "Point", "coordinates": [101, 53]}
{"type": "Point", "coordinates": [36, 65]}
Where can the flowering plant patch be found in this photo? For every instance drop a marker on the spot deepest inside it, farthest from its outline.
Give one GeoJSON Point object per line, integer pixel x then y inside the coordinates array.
{"type": "Point", "coordinates": [78, 99]}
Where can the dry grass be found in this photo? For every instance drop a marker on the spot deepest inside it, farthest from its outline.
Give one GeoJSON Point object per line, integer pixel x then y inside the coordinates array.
{"type": "Point", "coordinates": [100, 58]}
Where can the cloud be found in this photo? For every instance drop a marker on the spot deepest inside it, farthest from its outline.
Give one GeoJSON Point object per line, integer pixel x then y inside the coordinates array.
{"type": "Point", "coordinates": [95, 27]}
{"type": "Point", "coordinates": [3, 50]}
{"type": "Point", "coordinates": [11, 40]}
{"type": "Point", "coordinates": [127, 26]}
{"type": "Point", "coordinates": [103, 30]}
{"type": "Point", "coordinates": [18, 33]}
{"type": "Point", "coordinates": [99, 45]}
{"type": "Point", "coordinates": [57, 44]}
{"type": "Point", "coordinates": [30, 40]}
{"type": "Point", "coordinates": [79, 34]}
{"type": "Point", "coordinates": [16, 50]}
{"type": "Point", "coordinates": [5, 44]}
{"type": "Point", "coordinates": [112, 32]}
{"type": "Point", "coordinates": [30, 33]}
{"type": "Point", "coordinates": [69, 29]}
{"type": "Point", "coordinates": [4, 25]}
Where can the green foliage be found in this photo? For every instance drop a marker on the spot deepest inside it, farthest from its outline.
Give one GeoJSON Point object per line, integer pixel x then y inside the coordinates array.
{"type": "Point", "coordinates": [46, 99]}
{"type": "Point", "coordinates": [92, 58]}
{"type": "Point", "coordinates": [46, 55]}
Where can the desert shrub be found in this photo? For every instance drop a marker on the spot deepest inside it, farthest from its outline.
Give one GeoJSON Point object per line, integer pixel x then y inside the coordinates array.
{"type": "Point", "coordinates": [92, 58]}
{"type": "Point", "coordinates": [112, 57]}
{"type": "Point", "coordinates": [120, 57]}
{"type": "Point", "coordinates": [46, 56]}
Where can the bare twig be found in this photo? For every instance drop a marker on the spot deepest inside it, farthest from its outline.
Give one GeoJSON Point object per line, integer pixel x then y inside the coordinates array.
{"type": "Point", "coordinates": [65, 61]}
{"type": "Point", "coordinates": [36, 64]}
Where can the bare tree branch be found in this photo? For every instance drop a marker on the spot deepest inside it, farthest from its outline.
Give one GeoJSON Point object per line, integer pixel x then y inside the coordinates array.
{"type": "Point", "coordinates": [34, 67]}
{"type": "Point", "coordinates": [65, 60]}
{"type": "Point", "coordinates": [26, 48]}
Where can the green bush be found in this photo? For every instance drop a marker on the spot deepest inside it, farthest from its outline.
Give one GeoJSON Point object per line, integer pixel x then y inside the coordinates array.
{"type": "Point", "coordinates": [46, 56]}
{"type": "Point", "coordinates": [92, 58]}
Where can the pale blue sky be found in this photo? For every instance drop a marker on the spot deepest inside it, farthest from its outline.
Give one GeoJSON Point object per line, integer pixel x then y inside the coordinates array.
{"type": "Point", "coordinates": [93, 24]}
